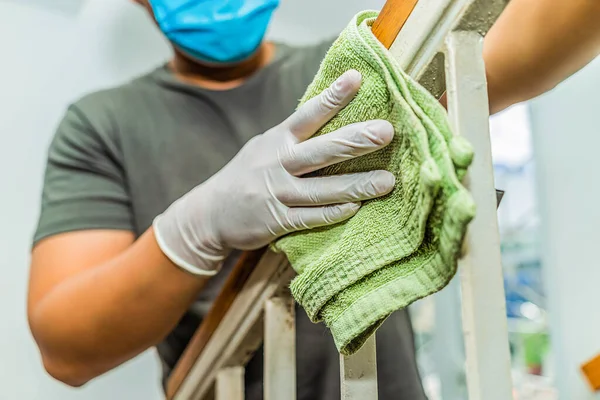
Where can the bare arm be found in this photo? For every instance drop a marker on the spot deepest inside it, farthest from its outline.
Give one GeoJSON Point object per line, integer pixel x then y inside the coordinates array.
{"type": "Point", "coordinates": [536, 44]}
{"type": "Point", "coordinates": [97, 299]}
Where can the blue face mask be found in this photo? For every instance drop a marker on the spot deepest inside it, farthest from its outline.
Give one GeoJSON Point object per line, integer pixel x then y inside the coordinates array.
{"type": "Point", "coordinates": [215, 31]}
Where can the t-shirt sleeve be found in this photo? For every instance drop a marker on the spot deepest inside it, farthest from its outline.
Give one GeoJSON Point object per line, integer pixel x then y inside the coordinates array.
{"type": "Point", "coordinates": [84, 182]}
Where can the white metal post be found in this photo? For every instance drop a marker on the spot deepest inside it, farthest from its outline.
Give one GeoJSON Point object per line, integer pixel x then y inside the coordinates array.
{"type": "Point", "coordinates": [448, 348]}
{"type": "Point", "coordinates": [483, 300]}
{"type": "Point", "coordinates": [280, 348]}
{"type": "Point", "coordinates": [359, 373]}
{"type": "Point", "coordinates": [230, 384]}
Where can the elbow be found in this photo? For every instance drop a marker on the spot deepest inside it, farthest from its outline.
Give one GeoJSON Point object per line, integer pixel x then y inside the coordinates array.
{"type": "Point", "coordinates": [68, 374]}
{"type": "Point", "coordinates": [57, 364]}
{"type": "Point", "coordinates": [55, 357]}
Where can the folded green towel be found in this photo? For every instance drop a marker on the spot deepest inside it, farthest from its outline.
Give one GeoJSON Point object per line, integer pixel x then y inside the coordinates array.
{"type": "Point", "coordinates": [401, 247]}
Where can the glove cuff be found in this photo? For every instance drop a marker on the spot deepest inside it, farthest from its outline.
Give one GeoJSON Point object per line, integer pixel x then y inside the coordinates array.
{"type": "Point", "coordinates": [187, 256]}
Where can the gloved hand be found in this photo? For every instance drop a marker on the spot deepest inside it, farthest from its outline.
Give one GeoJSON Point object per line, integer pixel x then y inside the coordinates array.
{"type": "Point", "coordinates": [260, 195]}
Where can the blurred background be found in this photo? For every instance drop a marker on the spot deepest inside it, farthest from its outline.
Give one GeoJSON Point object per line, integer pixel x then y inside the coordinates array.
{"type": "Point", "coordinates": [545, 156]}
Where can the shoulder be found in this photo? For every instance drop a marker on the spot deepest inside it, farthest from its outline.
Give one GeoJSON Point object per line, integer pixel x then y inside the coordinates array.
{"type": "Point", "coordinates": [297, 65]}
{"type": "Point", "coordinates": [101, 115]}
{"type": "Point", "coordinates": [111, 101]}
{"type": "Point", "coordinates": [308, 54]}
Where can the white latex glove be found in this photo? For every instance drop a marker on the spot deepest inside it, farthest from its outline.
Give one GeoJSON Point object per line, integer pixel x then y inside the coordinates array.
{"type": "Point", "coordinates": [260, 195]}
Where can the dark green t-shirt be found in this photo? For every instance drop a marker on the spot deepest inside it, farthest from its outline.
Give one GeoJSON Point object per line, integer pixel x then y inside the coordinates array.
{"type": "Point", "coordinates": [121, 156]}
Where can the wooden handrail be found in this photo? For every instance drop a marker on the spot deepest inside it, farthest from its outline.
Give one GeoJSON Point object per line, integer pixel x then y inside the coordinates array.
{"type": "Point", "coordinates": [386, 27]}
{"type": "Point", "coordinates": [391, 19]}
{"type": "Point", "coordinates": [233, 285]}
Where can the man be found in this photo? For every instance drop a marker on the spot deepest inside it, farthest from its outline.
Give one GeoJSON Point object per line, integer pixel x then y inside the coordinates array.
{"type": "Point", "coordinates": [106, 285]}
{"type": "Point", "coordinates": [151, 185]}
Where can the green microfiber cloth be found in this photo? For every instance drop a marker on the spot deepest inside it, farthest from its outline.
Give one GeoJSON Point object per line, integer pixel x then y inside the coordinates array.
{"type": "Point", "coordinates": [404, 246]}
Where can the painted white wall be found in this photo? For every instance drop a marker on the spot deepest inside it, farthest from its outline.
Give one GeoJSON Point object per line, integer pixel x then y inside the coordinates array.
{"type": "Point", "coordinates": [566, 133]}
{"type": "Point", "coordinates": [49, 58]}
{"type": "Point", "coordinates": [52, 53]}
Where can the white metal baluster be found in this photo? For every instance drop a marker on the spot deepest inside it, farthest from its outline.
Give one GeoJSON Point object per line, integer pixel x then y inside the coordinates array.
{"type": "Point", "coordinates": [280, 348]}
{"type": "Point", "coordinates": [448, 349]}
{"type": "Point", "coordinates": [230, 384]}
{"type": "Point", "coordinates": [359, 373]}
{"type": "Point", "coordinates": [483, 301]}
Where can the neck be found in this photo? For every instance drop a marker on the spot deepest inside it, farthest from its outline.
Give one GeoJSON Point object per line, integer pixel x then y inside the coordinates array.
{"type": "Point", "coordinates": [221, 77]}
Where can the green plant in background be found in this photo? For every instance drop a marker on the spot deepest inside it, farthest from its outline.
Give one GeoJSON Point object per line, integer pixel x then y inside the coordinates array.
{"type": "Point", "coordinates": [535, 348]}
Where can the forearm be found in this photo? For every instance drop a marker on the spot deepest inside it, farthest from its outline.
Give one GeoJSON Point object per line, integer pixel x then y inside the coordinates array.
{"type": "Point", "coordinates": [97, 298]}
{"type": "Point", "coordinates": [106, 315]}
{"type": "Point", "coordinates": [536, 44]}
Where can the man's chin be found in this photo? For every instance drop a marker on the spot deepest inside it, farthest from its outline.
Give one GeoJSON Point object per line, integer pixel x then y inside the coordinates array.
{"type": "Point", "coordinates": [218, 64]}
{"type": "Point", "coordinates": [186, 64]}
